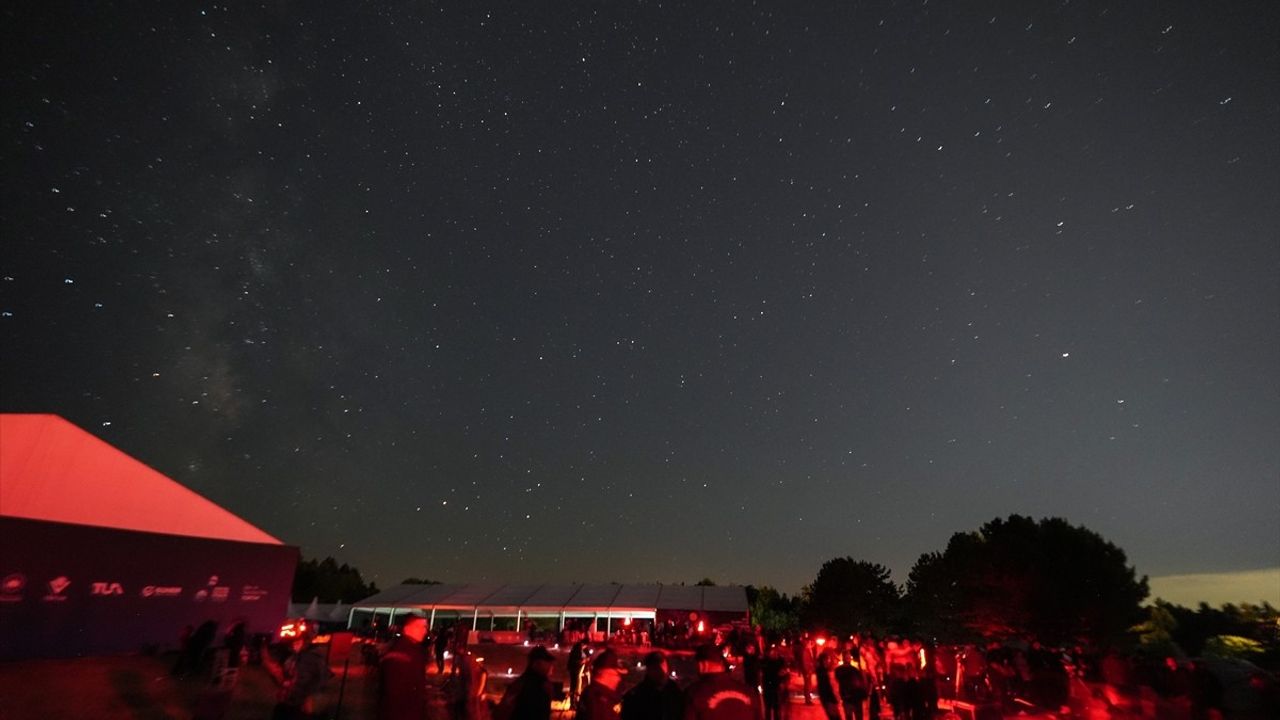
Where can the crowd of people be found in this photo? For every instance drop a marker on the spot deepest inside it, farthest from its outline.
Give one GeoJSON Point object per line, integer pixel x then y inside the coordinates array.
{"type": "Point", "coordinates": [744, 674]}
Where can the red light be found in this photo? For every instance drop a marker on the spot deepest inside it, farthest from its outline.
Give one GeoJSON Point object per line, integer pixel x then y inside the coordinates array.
{"type": "Point", "coordinates": [821, 641]}
{"type": "Point", "coordinates": [291, 630]}
{"type": "Point", "coordinates": [702, 626]}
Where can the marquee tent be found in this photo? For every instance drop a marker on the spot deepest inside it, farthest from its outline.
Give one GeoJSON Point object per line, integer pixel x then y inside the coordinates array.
{"type": "Point", "coordinates": [101, 553]}
{"type": "Point", "coordinates": [498, 606]}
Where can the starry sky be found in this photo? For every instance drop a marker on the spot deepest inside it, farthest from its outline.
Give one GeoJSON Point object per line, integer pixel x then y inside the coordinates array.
{"type": "Point", "coordinates": [659, 291]}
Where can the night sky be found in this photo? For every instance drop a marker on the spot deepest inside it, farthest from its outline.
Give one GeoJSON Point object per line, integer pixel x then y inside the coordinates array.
{"type": "Point", "coordinates": [657, 292]}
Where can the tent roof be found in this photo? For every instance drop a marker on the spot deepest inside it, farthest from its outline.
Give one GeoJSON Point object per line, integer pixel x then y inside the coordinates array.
{"type": "Point", "coordinates": [53, 471]}
{"type": "Point", "coordinates": [729, 598]}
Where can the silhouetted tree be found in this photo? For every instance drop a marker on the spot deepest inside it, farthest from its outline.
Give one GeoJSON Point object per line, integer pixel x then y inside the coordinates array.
{"type": "Point", "coordinates": [1015, 577]}
{"type": "Point", "coordinates": [705, 582]}
{"type": "Point", "coordinates": [330, 582]}
{"type": "Point", "coordinates": [419, 581]}
{"type": "Point", "coordinates": [851, 596]}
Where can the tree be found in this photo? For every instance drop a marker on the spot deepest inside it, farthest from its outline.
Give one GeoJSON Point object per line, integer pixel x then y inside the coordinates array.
{"type": "Point", "coordinates": [705, 582]}
{"type": "Point", "coordinates": [771, 610]}
{"type": "Point", "coordinates": [330, 582]}
{"type": "Point", "coordinates": [851, 596]}
{"type": "Point", "coordinates": [419, 581]}
{"type": "Point", "coordinates": [1017, 577]}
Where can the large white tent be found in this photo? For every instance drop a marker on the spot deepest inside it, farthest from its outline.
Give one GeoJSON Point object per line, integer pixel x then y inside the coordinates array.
{"type": "Point", "coordinates": [495, 606]}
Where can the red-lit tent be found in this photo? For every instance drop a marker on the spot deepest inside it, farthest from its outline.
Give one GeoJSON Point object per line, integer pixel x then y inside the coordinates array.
{"type": "Point", "coordinates": [100, 553]}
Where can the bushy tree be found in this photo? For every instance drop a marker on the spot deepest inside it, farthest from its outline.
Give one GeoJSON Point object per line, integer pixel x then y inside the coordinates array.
{"type": "Point", "coordinates": [1018, 577]}
{"type": "Point", "coordinates": [330, 582]}
{"type": "Point", "coordinates": [851, 596]}
{"type": "Point", "coordinates": [772, 610]}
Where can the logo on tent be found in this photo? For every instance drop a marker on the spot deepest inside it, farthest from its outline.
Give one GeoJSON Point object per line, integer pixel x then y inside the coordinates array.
{"type": "Point", "coordinates": [106, 588]}
{"type": "Point", "coordinates": [57, 586]}
{"type": "Point", "coordinates": [162, 591]}
{"type": "Point", "coordinates": [11, 587]}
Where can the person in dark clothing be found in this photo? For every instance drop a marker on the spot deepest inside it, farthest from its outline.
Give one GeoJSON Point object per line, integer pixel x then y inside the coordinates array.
{"type": "Point", "coordinates": [852, 686]}
{"type": "Point", "coordinates": [751, 663]}
{"type": "Point", "coordinates": [716, 695]}
{"type": "Point", "coordinates": [656, 697]}
{"type": "Point", "coordinates": [773, 683]}
{"type": "Point", "coordinates": [199, 645]}
{"type": "Point", "coordinates": [528, 697]}
{"type": "Point", "coordinates": [601, 696]}
{"type": "Point", "coordinates": [235, 641]}
{"type": "Point", "coordinates": [577, 654]}
{"type": "Point", "coordinates": [442, 645]}
{"type": "Point", "coordinates": [827, 689]}
{"type": "Point", "coordinates": [301, 677]}
{"type": "Point", "coordinates": [403, 692]}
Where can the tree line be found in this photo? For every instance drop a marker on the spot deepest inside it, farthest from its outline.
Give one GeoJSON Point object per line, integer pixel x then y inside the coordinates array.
{"type": "Point", "coordinates": [1013, 577]}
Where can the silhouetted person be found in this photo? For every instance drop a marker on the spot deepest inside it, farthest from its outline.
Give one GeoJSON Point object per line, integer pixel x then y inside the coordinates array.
{"type": "Point", "coordinates": [301, 677]}
{"type": "Point", "coordinates": [402, 694]}
{"type": "Point", "coordinates": [601, 696]}
{"type": "Point", "coordinates": [656, 697]}
{"type": "Point", "coordinates": [441, 647]}
{"type": "Point", "coordinates": [577, 654]}
{"type": "Point", "coordinates": [773, 683]}
{"type": "Point", "coordinates": [805, 665]}
{"type": "Point", "coordinates": [235, 641]}
{"type": "Point", "coordinates": [717, 695]}
{"type": "Point", "coordinates": [852, 687]}
{"type": "Point", "coordinates": [201, 640]}
{"type": "Point", "coordinates": [528, 697]}
{"type": "Point", "coordinates": [828, 693]}
{"type": "Point", "coordinates": [469, 702]}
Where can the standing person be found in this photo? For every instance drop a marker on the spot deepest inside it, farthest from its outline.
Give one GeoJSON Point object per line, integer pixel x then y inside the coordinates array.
{"type": "Point", "coordinates": [441, 646]}
{"type": "Point", "coordinates": [805, 665]}
{"type": "Point", "coordinates": [774, 678]}
{"type": "Point", "coordinates": [403, 692]}
{"type": "Point", "coordinates": [576, 655]}
{"type": "Point", "coordinates": [716, 695]}
{"type": "Point", "coordinates": [656, 697]}
{"type": "Point", "coordinates": [827, 689]}
{"type": "Point", "coordinates": [751, 664]}
{"type": "Point", "coordinates": [852, 686]}
{"type": "Point", "coordinates": [528, 697]}
{"type": "Point", "coordinates": [469, 703]}
{"type": "Point", "coordinates": [301, 676]}
{"type": "Point", "coordinates": [601, 697]}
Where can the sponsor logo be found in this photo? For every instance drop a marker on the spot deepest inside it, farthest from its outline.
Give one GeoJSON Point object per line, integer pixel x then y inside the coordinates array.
{"type": "Point", "coordinates": [57, 587]}
{"type": "Point", "coordinates": [106, 588]}
{"type": "Point", "coordinates": [161, 591]}
{"type": "Point", "coordinates": [12, 586]}
{"type": "Point", "coordinates": [252, 593]}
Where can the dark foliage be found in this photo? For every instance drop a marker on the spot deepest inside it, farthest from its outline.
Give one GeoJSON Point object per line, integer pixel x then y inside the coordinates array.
{"type": "Point", "coordinates": [772, 610]}
{"type": "Point", "coordinates": [1018, 577]}
{"type": "Point", "coordinates": [330, 582]}
{"type": "Point", "coordinates": [851, 596]}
